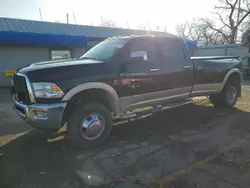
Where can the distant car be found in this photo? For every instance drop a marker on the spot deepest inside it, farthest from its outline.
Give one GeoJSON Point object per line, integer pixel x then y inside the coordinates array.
{"type": "Point", "coordinates": [118, 75]}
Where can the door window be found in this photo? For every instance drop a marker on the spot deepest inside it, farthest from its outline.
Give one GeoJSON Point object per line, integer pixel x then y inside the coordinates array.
{"type": "Point", "coordinates": [145, 47]}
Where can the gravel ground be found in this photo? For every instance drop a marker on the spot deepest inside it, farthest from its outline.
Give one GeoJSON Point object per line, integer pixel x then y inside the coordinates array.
{"type": "Point", "coordinates": [191, 146]}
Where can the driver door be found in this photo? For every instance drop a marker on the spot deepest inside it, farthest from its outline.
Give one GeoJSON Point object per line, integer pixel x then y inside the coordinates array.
{"type": "Point", "coordinates": [141, 75]}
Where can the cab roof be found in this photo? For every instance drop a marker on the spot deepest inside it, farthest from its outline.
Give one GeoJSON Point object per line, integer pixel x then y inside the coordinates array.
{"type": "Point", "coordinates": [142, 36]}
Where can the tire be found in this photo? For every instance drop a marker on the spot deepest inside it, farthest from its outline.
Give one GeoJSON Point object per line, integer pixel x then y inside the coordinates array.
{"type": "Point", "coordinates": [89, 125]}
{"type": "Point", "coordinates": [227, 98]}
{"type": "Point", "coordinates": [214, 99]}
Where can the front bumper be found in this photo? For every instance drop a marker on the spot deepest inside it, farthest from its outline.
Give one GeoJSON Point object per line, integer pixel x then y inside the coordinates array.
{"type": "Point", "coordinates": [41, 116]}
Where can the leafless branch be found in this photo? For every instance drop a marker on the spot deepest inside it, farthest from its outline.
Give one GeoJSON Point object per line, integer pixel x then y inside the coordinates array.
{"type": "Point", "coordinates": [221, 19]}
{"type": "Point", "coordinates": [215, 29]}
{"type": "Point", "coordinates": [231, 5]}
{"type": "Point", "coordinates": [247, 4]}
{"type": "Point", "coordinates": [219, 7]}
{"type": "Point", "coordinates": [243, 18]}
{"type": "Point", "coordinates": [109, 23]}
{"type": "Point", "coordinates": [232, 22]}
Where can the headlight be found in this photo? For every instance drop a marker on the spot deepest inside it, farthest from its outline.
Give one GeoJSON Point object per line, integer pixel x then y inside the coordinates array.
{"type": "Point", "coordinates": [47, 90]}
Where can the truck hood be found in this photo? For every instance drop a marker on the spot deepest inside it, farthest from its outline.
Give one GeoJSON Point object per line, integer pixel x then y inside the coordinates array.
{"type": "Point", "coordinates": [55, 64]}
{"type": "Point", "coordinates": [66, 73]}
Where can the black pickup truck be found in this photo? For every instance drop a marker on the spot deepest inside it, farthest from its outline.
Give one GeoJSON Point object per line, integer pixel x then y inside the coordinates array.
{"type": "Point", "coordinates": [115, 77]}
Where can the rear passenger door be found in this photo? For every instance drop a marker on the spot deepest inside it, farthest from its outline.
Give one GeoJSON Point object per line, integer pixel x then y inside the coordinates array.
{"type": "Point", "coordinates": [177, 68]}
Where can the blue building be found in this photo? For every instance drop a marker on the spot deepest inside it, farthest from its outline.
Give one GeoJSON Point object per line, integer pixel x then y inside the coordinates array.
{"type": "Point", "coordinates": [26, 41]}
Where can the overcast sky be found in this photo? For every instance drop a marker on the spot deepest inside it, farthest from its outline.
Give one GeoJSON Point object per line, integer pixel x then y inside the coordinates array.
{"type": "Point", "coordinates": [88, 12]}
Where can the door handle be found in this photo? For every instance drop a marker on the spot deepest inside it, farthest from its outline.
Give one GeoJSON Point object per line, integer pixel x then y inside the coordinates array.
{"type": "Point", "coordinates": [187, 67]}
{"type": "Point", "coordinates": [154, 70]}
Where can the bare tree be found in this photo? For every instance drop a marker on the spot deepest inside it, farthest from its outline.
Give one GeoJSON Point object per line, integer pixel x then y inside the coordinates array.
{"type": "Point", "coordinates": [189, 30]}
{"type": "Point", "coordinates": [109, 23]}
{"type": "Point", "coordinates": [211, 36]}
{"type": "Point", "coordinates": [198, 31]}
{"type": "Point", "coordinates": [245, 33]}
{"type": "Point", "coordinates": [233, 19]}
{"type": "Point", "coordinates": [142, 27]}
{"type": "Point", "coordinates": [230, 14]}
{"type": "Point", "coordinates": [147, 27]}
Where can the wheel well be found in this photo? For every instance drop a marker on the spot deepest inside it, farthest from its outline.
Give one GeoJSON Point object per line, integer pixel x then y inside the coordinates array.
{"type": "Point", "coordinates": [89, 95]}
{"type": "Point", "coordinates": [236, 79]}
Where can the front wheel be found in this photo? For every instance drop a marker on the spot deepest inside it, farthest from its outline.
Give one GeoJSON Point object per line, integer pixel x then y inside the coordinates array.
{"type": "Point", "coordinates": [227, 98]}
{"type": "Point", "coordinates": [89, 125]}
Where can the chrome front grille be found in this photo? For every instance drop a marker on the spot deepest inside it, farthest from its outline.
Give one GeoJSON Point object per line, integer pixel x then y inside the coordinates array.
{"type": "Point", "coordinates": [22, 89]}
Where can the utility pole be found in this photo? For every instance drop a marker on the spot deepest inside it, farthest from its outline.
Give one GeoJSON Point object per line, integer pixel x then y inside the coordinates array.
{"type": "Point", "coordinates": [127, 24]}
{"type": "Point", "coordinates": [74, 17]}
{"type": "Point", "coordinates": [149, 28]}
{"type": "Point", "coordinates": [237, 26]}
{"type": "Point", "coordinates": [67, 18]}
{"type": "Point", "coordinates": [165, 28]}
{"type": "Point", "coordinates": [102, 21]}
{"type": "Point", "coordinates": [41, 18]}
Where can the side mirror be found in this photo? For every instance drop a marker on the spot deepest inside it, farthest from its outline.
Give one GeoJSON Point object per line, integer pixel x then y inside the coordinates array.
{"type": "Point", "coordinates": [138, 56]}
{"type": "Point", "coordinates": [136, 59]}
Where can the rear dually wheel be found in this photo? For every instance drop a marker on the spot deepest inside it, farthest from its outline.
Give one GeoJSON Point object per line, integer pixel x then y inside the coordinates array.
{"type": "Point", "coordinates": [228, 96]}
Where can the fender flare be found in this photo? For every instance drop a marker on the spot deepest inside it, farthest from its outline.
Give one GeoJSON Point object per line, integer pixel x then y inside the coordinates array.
{"type": "Point", "coordinates": [232, 71]}
{"type": "Point", "coordinates": [113, 97]}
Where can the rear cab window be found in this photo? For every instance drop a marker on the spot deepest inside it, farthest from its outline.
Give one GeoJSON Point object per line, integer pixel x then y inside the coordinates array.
{"type": "Point", "coordinates": [171, 52]}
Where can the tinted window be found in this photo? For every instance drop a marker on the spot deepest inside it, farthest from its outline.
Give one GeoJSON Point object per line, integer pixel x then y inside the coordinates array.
{"type": "Point", "coordinates": [170, 48]}
{"type": "Point", "coordinates": [144, 45]}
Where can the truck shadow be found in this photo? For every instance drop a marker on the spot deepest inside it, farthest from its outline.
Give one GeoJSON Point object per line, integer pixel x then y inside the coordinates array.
{"type": "Point", "coordinates": [32, 162]}
{"type": "Point", "coordinates": [170, 122]}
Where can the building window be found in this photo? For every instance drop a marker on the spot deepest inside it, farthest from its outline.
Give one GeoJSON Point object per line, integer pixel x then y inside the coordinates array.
{"type": "Point", "coordinates": [60, 54]}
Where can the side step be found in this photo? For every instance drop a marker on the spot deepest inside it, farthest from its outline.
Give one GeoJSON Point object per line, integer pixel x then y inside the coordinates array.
{"type": "Point", "coordinates": [154, 110]}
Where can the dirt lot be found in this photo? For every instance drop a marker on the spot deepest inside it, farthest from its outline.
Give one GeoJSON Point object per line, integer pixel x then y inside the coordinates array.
{"type": "Point", "coordinates": [192, 146]}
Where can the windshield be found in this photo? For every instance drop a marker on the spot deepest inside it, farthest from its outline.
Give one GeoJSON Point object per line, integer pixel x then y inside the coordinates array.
{"type": "Point", "coordinates": [104, 50]}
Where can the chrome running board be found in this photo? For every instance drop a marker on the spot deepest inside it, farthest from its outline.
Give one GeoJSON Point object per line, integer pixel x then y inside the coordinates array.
{"type": "Point", "coordinates": [154, 110]}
